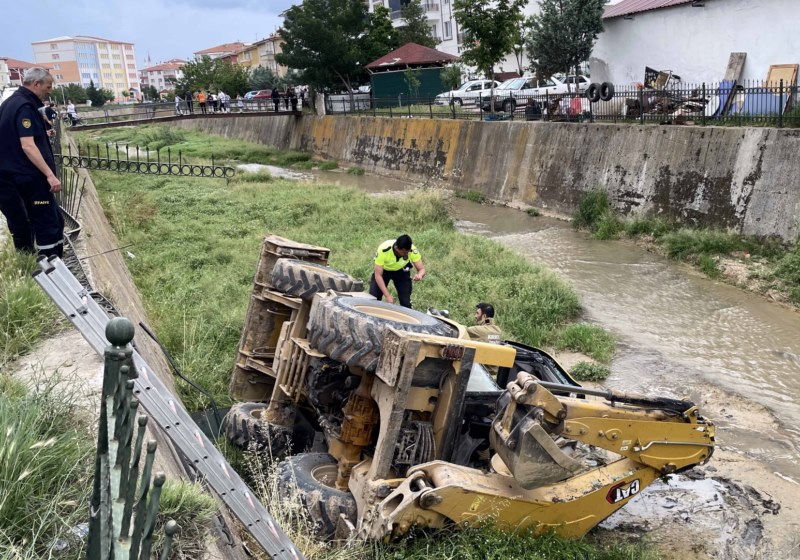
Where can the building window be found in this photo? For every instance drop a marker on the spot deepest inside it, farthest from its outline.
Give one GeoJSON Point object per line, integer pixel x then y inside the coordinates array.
{"type": "Point", "coordinates": [56, 67]}
{"type": "Point", "coordinates": [129, 56]}
{"type": "Point", "coordinates": [106, 76]}
{"type": "Point", "coordinates": [114, 47]}
{"type": "Point", "coordinates": [119, 66]}
{"type": "Point", "coordinates": [56, 56]}
{"type": "Point", "coordinates": [448, 30]}
{"type": "Point", "coordinates": [132, 66]}
{"type": "Point", "coordinates": [120, 85]}
{"type": "Point", "coordinates": [86, 76]}
{"type": "Point", "coordinates": [59, 77]}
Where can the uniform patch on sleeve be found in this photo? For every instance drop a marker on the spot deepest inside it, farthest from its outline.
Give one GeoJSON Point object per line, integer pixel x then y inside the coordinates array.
{"type": "Point", "coordinates": [26, 123]}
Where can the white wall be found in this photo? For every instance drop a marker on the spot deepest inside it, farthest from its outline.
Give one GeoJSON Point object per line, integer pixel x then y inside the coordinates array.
{"type": "Point", "coordinates": [696, 43]}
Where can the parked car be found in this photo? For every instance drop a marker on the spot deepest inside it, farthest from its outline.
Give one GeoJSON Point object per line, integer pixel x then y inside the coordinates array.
{"type": "Point", "coordinates": [516, 91]}
{"type": "Point", "coordinates": [260, 94]}
{"type": "Point", "coordinates": [467, 93]}
{"type": "Point", "coordinates": [581, 82]}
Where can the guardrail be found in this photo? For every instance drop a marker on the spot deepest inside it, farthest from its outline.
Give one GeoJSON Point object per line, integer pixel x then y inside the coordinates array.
{"type": "Point", "coordinates": [724, 104]}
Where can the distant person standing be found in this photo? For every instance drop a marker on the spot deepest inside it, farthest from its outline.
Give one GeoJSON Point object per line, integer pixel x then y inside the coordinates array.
{"type": "Point", "coordinates": [51, 113]}
{"type": "Point", "coordinates": [276, 99]}
{"type": "Point", "coordinates": [292, 98]}
{"type": "Point", "coordinates": [189, 102]}
{"type": "Point", "coordinates": [178, 101]}
{"type": "Point", "coordinates": [240, 102]}
{"type": "Point", "coordinates": [72, 112]}
{"type": "Point", "coordinates": [286, 99]}
{"type": "Point", "coordinates": [201, 100]}
{"type": "Point", "coordinates": [28, 169]}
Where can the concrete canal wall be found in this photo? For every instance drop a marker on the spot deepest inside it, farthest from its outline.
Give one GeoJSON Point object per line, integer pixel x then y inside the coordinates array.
{"type": "Point", "coordinates": [746, 179]}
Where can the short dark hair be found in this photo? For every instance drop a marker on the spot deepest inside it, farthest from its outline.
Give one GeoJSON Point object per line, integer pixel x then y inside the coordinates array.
{"type": "Point", "coordinates": [486, 308]}
{"type": "Point", "coordinates": [403, 242]}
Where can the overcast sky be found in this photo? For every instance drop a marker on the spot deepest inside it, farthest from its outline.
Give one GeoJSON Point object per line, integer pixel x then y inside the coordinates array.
{"type": "Point", "coordinates": [163, 28]}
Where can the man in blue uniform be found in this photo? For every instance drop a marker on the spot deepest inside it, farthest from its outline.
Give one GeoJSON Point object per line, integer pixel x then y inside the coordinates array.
{"type": "Point", "coordinates": [393, 261]}
{"type": "Point", "coordinates": [28, 170]}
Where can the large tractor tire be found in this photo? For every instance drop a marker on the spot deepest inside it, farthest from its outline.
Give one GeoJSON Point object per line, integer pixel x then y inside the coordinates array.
{"type": "Point", "coordinates": [312, 478]}
{"type": "Point", "coordinates": [246, 428]}
{"type": "Point", "coordinates": [350, 330]}
{"type": "Point", "coordinates": [304, 279]}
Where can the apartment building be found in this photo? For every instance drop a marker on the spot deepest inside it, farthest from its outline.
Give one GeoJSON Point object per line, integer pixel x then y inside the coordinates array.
{"type": "Point", "coordinates": [258, 54]}
{"type": "Point", "coordinates": [163, 76]}
{"type": "Point", "coordinates": [221, 51]}
{"type": "Point", "coordinates": [83, 59]}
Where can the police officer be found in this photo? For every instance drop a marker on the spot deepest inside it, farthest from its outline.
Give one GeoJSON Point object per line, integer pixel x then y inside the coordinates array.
{"type": "Point", "coordinates": [393, 260]}
{"type": "Point", "coordinates": [28, 170]}
{"type": "Point", "coordinates": [485, 329]}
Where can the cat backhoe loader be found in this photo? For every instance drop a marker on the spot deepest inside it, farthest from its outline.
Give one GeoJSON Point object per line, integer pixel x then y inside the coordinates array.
{"type": "Point", "coordinates": [389, 419]}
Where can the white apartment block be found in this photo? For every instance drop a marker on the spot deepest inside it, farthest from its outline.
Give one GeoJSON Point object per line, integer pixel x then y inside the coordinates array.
{"type": "Point", "coordinates": [83, 59]}
{"type": "Point", "coordinates": [163, 76]}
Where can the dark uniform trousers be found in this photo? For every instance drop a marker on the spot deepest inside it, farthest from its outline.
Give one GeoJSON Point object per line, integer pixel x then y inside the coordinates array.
{"type": "Point", "coordinates": [402, 283]}
{"type": "Point", "coordinates": [32, 214]}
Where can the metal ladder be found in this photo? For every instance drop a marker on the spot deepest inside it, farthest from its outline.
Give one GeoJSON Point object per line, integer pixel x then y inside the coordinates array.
{"type": "Point", "coordinates": [75, 301]}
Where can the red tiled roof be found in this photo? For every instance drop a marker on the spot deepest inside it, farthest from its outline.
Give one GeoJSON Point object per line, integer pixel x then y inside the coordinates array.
{"type": "Point", "coordinates": [627, 7]}
{"type": "Point", "coordinates": [410, 54]}
{"type": "Point", "coordinates": [173, 64]}
{"type": "Point", "coordinates": [14, 63]}
{"type": "Point", "coordinates": [223, 48]}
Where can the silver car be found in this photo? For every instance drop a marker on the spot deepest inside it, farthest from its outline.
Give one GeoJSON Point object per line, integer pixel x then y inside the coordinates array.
{"type": "Point", "coordinates": [467, 93]}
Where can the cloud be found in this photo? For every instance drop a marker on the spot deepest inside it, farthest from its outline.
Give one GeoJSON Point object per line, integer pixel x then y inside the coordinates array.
{"type": "Point", "coordinates": [163, 28]}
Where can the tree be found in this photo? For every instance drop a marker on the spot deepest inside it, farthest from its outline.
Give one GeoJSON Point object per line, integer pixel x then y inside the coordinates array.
{"type": "Point", "coordinates": [412, 79]}
{"type": "Point", "coordinates": [74, 92]}
{"type": "Point", "coordinates": [416, 28]}
{"type": "Point", "coordinates": [214, 75]}
{"type": "Point", "coordinates": [562, 35]}
{"type": "Point", "coordinates": [520, 34]}
{"type": "Point", "coordinates": [150, 92]}
{"type": "Point", "coordinates": [451, 76]}
{"type": "Point", "coordinates": [489, 31]}
{"type": "Point", "coordinates": [330, 41]}
{"type": "Point", "coordinates": [381, 37]}
{"type": "Point", "coordinates": [262, 78]}
{"type": "Point", "coordinates": [98, 97]}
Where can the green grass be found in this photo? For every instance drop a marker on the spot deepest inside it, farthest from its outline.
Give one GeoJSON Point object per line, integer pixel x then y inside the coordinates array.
{"type": "Point", "coordinates": [594, 214]}
{"type": "Point", "coordinates": [195, 146]}
{"type": "Point", "coordinates": [45, 469]}
{"type": "Point", "coordinates": [589, 339]}
{"type": "Point", "coordinates": [472, 196]}
{"type": "Point", "coordinates": [26, 313]}
{"type": "Point", "coordinates": [358, 171]}
{"type": "Point", "coordinates": [328, 165]}
{"type": "Point", "coordinates": [590, 371]}
{"type": "Point", "coordinates": [194, 511]}
{"type": "Point", "coordinates": [532, 212]}
{"type": "Point", "coordinates": [196, 286]}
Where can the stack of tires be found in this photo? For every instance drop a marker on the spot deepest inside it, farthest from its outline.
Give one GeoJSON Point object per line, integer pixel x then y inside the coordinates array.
{"type": "Point", "coordinates": [600, 92]}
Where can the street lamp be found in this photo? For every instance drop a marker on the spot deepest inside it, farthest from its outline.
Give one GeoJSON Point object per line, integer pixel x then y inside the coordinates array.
{"type": "Point", "coordinates": [63, 97]}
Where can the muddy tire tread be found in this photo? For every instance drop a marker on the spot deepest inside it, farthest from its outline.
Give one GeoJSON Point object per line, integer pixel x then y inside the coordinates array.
{"type": "Point", "coordinates": [304, 279]}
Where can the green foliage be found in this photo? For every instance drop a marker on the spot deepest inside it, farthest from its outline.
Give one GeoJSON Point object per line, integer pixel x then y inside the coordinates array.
{"type": "Point", "coordinates": [213, 75]}
{"type": "Point", "coordinates": [74, 92]}
{"type": "Point", "coordinates": [532, 212]}
{"type": "Point", "coordinates": [708, 266]}
{"type": "Point", "coordinates": [150, 93]}
{"type": "Point", "coordinates": [98, 97]}
{"type": "Point", "coordinates": [412, 79]}
{"type": "Point", "coordinates": [590, 371]}
{"type": "Point", "coordinates": [382, 37]}
{"type": "Point", "coordinates": [194, 510]}
{"type": "Point", "coordinates": [26, 313]}
{"type": "Point", "coordinates": [451, 76]}
{"type": "Point", "coordinates": [594, 214]}
{"type": "Point", "coordinates": [587, 338]}
{"type": "Point", "coordinates": [330, 41]}
{"type": "Point", "coordinates": [788, 268]}
{"type": "Point", "coordinates": [656, 227]}
{"type": "Point", "coordinates": [358, 171]}
{"type": "Point", "coordinates": [686, 243]}
{"type": "Point", "coordinates": [328, 165]}
{"type": "Point", "coordinates": [45, 462]}
{"type": "Point", "coordinates": [490, 30]}
{"type": "Point", "coordinates": [472, 196]}
{"type": "Point", "coordinates": [416, 29]}
{"type": "Point", "coordinates": [262, 78]}
{"type": "Point", "coordinates": [563, 33]}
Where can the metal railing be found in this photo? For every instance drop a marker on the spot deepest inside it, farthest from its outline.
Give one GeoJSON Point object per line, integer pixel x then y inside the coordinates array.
{"type": "Point", "coordinates": [719, 104]}
{"type": "Point", "coordinates": [147, 111]}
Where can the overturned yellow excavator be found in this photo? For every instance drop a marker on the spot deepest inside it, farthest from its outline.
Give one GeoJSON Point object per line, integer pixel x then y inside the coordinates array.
{"type": "Point", "coordinates": [389, 419]}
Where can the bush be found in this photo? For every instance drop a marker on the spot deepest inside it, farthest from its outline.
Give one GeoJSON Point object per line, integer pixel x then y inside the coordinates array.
{"type": "Point", "coordinates": [328, 165]}
{"type": "Point", "coordinates": [533, 212]}
{"type": "Point", "coordinates": [472, 196]}
{"type": "Point", "coordinates": [358, 171]}
{"type": "Point", "coordinates": [590, 371]}
{"type": "Point", "coordinates": [656, 227]}
{"type": "Point", "coordinates": [708, 266]}
{"type": "Point", "coordinates": [589, 339]}
{"type": "Point", "coordinates": [594, 214]}
{"type": "Point", "coordinates": [788, 268]}
{"type": "Point", "coordinates": [686, 242]}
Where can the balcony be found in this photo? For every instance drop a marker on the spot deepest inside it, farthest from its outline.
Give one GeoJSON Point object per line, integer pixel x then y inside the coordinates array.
{"type": "Point", "coordinates": [430, 7]}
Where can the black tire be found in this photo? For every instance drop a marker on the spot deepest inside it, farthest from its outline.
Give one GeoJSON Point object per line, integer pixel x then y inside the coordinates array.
{"type": "Point", "coordinates": [457, 102]}
{"type": "Point", "coordinates": [350, 330]}
{"type": "Point", "coordinates": [304, 279]}
{"type": "Point", "coordinates": [509, 105]}
{"type": "Point", "coordinates": [245, 428]}
{"type": "Point", "coordinates": [593, 93]}
{"type": "Point", "coordinates": [607, 91]}
{"type": "Point", "coordinates": [312, 477]}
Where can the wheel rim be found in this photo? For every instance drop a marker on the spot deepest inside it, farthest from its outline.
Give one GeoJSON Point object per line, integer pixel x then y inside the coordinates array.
{"type": "Point", "coordinates": [326, 474]}
{"type": "Point", "coordinates": [389, 314]}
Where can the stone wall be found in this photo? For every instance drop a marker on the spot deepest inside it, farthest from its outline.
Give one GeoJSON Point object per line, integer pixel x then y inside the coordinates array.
{"type": "Point", "coordinates": [745, 179]}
